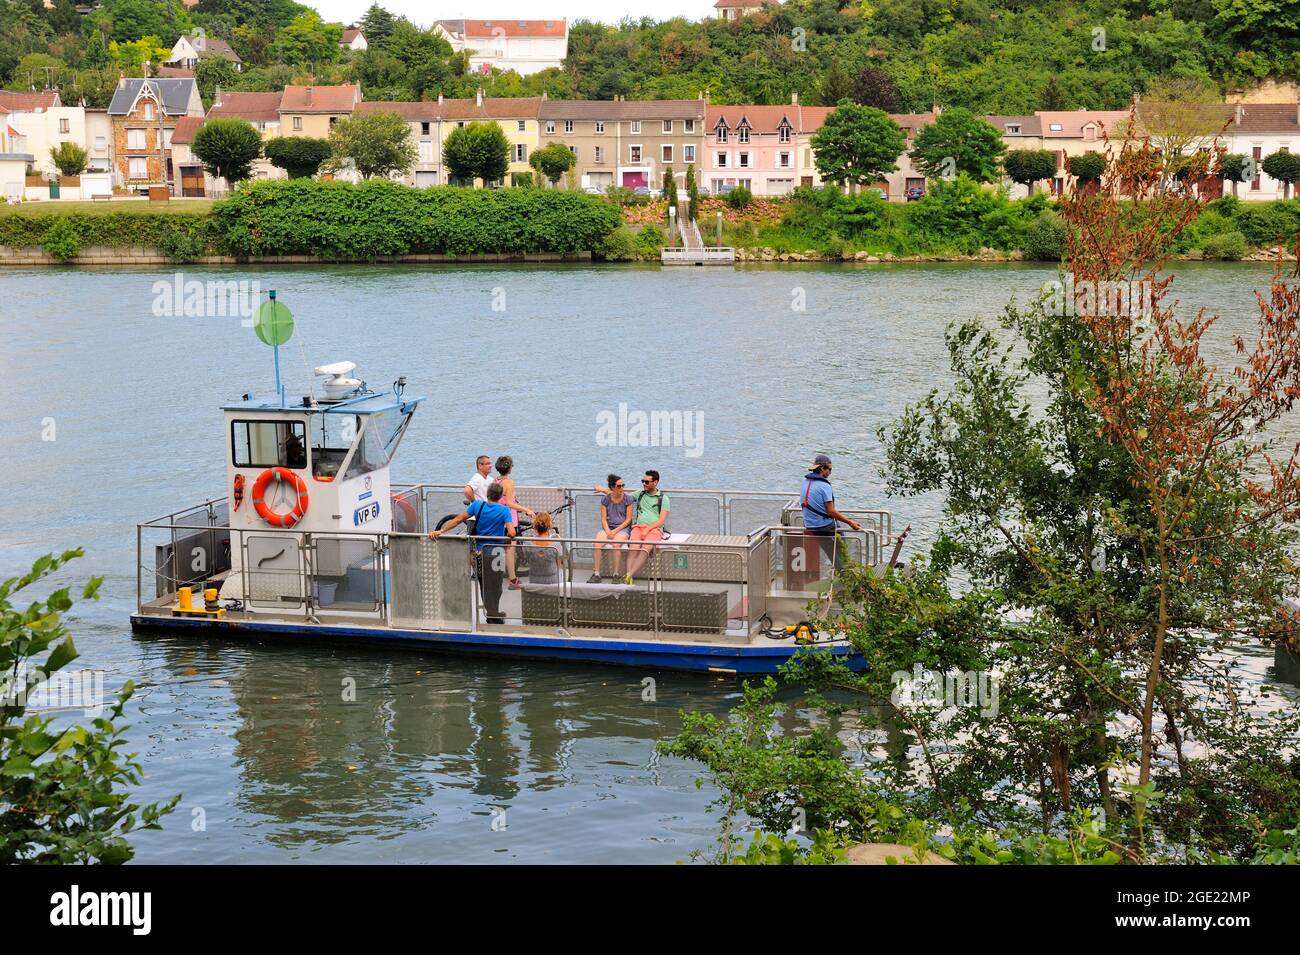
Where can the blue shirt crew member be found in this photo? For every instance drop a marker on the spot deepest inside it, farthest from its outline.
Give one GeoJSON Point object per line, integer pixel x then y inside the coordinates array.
{"type": "Point", "coordinates": [494, 521]}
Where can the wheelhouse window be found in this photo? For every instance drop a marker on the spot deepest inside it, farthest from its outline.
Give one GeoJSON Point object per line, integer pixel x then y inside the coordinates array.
{"type": "Point", "coordinates": [331, 439]}
{"type": "Point", "coordinates": [380, 436]}
{"type": "Point", "coordinates": [268, 444]}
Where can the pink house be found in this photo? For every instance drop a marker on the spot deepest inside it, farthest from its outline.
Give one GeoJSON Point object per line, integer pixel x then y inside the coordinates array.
{"type": "Point", "coordinates": [751, 146]}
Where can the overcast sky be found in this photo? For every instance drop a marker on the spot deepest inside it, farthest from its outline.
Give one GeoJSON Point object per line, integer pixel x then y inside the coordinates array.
{"type": "Point", "coordinates": [610, 11]}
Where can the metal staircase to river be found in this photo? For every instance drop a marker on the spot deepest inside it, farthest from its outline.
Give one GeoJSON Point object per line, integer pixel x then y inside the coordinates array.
{"type": "Point", "coordinates": [693, 251]}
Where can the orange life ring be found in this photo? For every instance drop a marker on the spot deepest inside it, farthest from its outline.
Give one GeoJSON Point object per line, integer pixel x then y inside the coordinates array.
{"type": "Point", "coordinates": [410, 518]}
{"type": "Point", "coordinates": [259, 493]}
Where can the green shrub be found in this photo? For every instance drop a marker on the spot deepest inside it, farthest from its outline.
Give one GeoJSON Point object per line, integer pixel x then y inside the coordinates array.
{"type": "Point", "coordinates": [181, 246]}
{"type": "Point", "coordinates": [1268, 223]}
{"type": "Point", "coordinates": [61, 240]}
{"type": "Point", "coordinates": [620, 245]}
{"type": "Point", "coordinates": [739, 198]}
{"type": "Point", "coordinates": [1226, 247]}
{"type": "Point", "coordinates": [649, 241]}
{"type": "Point", "coordinates": [952, 213]}
{"type": "Point", "coordinates": [1226, 206]}
{"type": "Point", "coordinates": [1045, 240]}
{"type": "Point", "coordinates": [379, 217]}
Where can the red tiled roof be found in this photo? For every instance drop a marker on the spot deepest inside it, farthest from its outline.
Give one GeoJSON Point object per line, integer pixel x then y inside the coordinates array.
{"type": "Point", "coordinates": [761, 119]}
{"type": "Point", "coordinates": [350, 34]}
{"type": "Point", "coordinates": [535, 28]}
{"type": "Point", "coordinates": [411, 112]}
{"type": "Point", "coordinates": [505, 107]}
{"type": "Point", "coordinates": [173, 71]}
{"type": "Point", "coordinates": [254, 107]}
{"type": "Point", "coordinates": [319, 99]}
{"type": "Point", "coordinates": [739, 3]}
{"type": "Point", "coordinates": [185, 129]}
{"type": "Point", "coordinates": [20, 102]}
{"type": "Point", "coordinates": [621, 109]}
{"type": "Point", "coordinates": [1072, 121]}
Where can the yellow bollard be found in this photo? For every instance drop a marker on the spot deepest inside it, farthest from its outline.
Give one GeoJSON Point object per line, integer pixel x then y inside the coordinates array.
{"type": "Point", "coordinates": [186, 598]}
{"type": "Point", "coordinates": [210, 599]}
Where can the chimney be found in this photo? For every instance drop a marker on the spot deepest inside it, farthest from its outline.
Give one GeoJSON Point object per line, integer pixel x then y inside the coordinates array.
{"type": "Point", "coordinates": [309, 95]}
{"type": "Point", "coordinates": [544, 96]}
{"type": "Point", "coordinates": [478, 97]}
{"type": "Point", "coordinates": [440, 98]}
{"type": "Point", "coordinates": [1240, 112]}
{"type": "Point", "coordinates": [794, 98]}
{"type": "Point", "coordinates": [216, 96]}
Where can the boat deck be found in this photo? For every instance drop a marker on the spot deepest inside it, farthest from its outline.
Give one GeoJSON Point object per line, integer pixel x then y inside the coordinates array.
{"type": "Point", "coordinates": [707, 598]}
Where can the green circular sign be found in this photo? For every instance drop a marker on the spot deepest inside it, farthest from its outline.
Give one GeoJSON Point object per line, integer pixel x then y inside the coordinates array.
{"type": "Point", "coordinates": [274, 322]}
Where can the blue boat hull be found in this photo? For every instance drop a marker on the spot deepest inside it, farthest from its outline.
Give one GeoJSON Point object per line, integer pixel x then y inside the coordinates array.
{"type": "Point", "coordinates": [646, 654]}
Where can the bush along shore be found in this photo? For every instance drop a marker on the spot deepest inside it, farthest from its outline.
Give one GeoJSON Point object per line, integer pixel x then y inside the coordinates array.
{"type": "Point", "coordinates": [374, 220]}
{"type": "Point", "coordinates": [309, 220]}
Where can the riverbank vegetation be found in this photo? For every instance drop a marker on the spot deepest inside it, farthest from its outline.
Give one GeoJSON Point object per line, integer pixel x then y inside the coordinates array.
{"type": "Point", "coordinates": [1119, 520]}
{"type": "Point", "coordinates": [64, 787]}
{"type": "Point", "coordinates": [337, 220]}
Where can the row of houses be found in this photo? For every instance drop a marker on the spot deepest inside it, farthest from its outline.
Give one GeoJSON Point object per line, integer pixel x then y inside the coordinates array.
{"type": "Point", "coordinates": [142, 139]}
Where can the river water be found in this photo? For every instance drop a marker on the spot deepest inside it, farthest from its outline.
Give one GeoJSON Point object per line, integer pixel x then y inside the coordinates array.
{"type": "Point", "coordinates": [112, 417]}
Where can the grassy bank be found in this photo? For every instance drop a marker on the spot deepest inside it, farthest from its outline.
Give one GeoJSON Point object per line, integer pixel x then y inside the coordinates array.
{"type": "Point", "coordinates": [957, 219]}
{"type": "Point", "coordinates": [113, 207]}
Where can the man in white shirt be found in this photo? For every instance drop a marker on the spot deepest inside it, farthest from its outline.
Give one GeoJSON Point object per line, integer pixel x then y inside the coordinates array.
{"type": "Point", "coordinates": [477, 488]}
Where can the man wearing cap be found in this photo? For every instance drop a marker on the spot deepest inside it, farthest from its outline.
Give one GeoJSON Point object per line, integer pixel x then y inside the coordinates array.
{"type": "Point", "coordinates": [820, 514]}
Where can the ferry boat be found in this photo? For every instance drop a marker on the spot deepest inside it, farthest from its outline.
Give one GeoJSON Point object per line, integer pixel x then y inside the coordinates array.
{"type": "Point", "coordinates": [312, 540]}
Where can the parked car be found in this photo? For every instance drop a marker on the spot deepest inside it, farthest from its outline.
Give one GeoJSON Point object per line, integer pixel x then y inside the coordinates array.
{"type": "Point", "coordinates": [643, 191]}
{"type": "Point", "coordinates": [724, 190]}
{"type": "Point", "coordinates": [593, 191]}
{"type": "Point", "coordinates": [914, 193]}
{"type": "Point", "coordinates": [880, 192]}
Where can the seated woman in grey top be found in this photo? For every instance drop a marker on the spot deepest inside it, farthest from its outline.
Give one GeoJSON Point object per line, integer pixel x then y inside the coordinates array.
{"type": "Point", "coordinates": [543, 558]}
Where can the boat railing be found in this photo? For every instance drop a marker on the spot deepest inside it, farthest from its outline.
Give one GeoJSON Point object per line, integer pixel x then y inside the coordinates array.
{"type": "Point", "coordinates": [710, 585]}
{"type": "Point", "coordinates": [693, 510]}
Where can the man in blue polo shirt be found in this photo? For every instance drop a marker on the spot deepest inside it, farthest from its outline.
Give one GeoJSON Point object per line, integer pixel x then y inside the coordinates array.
{"type": "Point", "coordinates": [820, 514]}
{"type": "Point", "coordinates": [494, 523]}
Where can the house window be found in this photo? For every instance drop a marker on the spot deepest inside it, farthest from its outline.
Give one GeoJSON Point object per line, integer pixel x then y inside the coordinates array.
{"type": "Point", "coordinates": [167, 138]}
{"type": "Point", "coordinates": [550, 125]}
{"type": "Point", "coordinates": [600, 154]}
{"type": "Point", "coordinates": [297, 123]}
{"type": "Point", "coordinates": [1055, 127]}
{"type": "Point", "coordinates": [1090, 133]}
{"type": "Point", "coordinates": [424, 129]}
{"type": "Point", "coordinates": [689, 125]}
{"type": "Point", "coordinates": [521, 152]}
{"type": "Point", "coordinates": [666, 153]}
{"type": "Point", "coordinates": [783, 160]}
{"type": "Point", "coordinates": [743, 134]}
{"type": "Point", "coordinates": [568, 127]}
{"type": "Point", "coordinates": [743, 161]}
{"type": "Point", "coordinates": [148, 110]}
{"type": "Point", "coordinates": [688, 153]}
{"type": "Point", "coordinates": [600, 126]}
{"type": "Point", "coordinates": [722, 134]}
{"type": "Point", "coordinates": [1256, 153]}
{"type": "Point", "coordinates": [784, 134]}
{"type": "Point", "coordinates": [574, 151]}
{"type": "Point", "coordinates": [634, 153]}
{"type": "Point", "coordinates": [668, 127]}
{"type": "Point", "coordinates": [745, 184]}
{"type": "Point", "coordinates": [521, 125]}
{"type": "Point", "coordinates": [135, 139]}
{"type": "Point", "coordinates": [721, 160]}
{"type": "Point", "coordinates": [63, 126]}
{"type": "Point", "coordinates": [100, 144]}
{"type": "Point", "coordinates": [636, 126]}
{"type": "Point", "coordinates": [1013, 129]}
{"type": "Point", "coordinates": [137, 168]}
